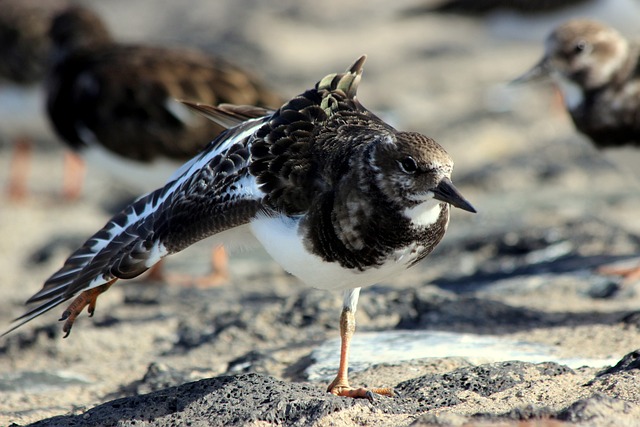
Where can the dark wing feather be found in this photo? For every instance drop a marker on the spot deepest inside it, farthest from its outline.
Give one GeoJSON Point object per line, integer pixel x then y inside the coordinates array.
{"type": "Point", "coordinates": [228, 115]}
{"type": "Point", "coordinates": [292, 152]}
{"type": "Point", "coordinates": [213, 193]}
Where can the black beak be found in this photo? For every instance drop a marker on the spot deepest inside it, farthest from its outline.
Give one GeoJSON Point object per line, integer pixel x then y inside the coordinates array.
{"type": "Point", "coordinates": [447, 192]}
{"type": "Point", "coordinates": [538, 72]}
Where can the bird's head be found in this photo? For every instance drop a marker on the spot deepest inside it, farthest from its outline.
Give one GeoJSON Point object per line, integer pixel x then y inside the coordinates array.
{"type": "Point", "coordinates": [581, 52]}
{"type": "Point", "coordinates": [77, 27]}
{"type": "Point", "coordinates": [414, 171]}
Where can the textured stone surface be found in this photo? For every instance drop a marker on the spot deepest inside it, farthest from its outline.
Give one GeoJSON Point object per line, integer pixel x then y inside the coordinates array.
{"type": "Point", "coordinates": [221, 401]}
{"type": "Point", "coordinates": [245, 398]}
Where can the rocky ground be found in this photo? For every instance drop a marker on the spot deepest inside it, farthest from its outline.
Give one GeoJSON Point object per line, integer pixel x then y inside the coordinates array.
{"type": "Point", "coordinates": [523, 270]}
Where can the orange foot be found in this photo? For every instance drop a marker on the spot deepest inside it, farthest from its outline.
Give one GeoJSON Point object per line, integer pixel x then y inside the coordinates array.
{"type": "Point", "coordinates": [629, 274]}
{"type": "Point", "coordinates": [19, 170]}
{"type": "Point", "coordinates": [86, 298]}
{"type": "Point", "coordinates": [345, 390]}
{"type": "Point", "coordinates": [340, 385]}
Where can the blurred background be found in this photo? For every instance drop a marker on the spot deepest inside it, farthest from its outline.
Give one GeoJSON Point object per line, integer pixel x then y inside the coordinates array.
{"type": "Point", "coordinates": [550, 207]}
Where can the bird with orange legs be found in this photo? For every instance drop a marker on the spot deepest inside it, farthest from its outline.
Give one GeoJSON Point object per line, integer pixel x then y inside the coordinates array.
{"type": "Point", "coordinates": [24, 51]}
{"type": "Point", "coordinates": [338, 197]}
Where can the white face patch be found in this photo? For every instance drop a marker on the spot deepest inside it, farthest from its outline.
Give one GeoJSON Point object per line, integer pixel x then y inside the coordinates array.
{"type": "Point", "coordinates": [572, 94]}
{"type": "Point", "coordinates": [424, 214]}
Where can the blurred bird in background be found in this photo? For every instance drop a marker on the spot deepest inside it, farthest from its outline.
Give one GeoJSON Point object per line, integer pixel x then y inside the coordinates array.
{"type": "Point", "coordinates": [24, 51]}
{"type": "Point", "coordinates": [597, 72]}
{"type": "Point", "coordinates": [533, 19]}
{"type": "Point", "coordinates": [116, 104]}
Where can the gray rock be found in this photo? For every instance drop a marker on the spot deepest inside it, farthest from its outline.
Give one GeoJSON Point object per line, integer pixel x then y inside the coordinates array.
{"type": "Point", "coordinates": [222, 401]}
{"type": "Point", "coordinates": [240, 399]}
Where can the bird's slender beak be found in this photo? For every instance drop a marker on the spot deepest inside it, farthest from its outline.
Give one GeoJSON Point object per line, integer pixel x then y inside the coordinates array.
{"type": "Point", "coordinates": [538, 72]}
{"type": "Point", "coordinates": [447, 192]}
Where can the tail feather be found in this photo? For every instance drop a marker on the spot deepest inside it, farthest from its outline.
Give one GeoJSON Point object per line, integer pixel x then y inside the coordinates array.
{"type": "Point", "coordinates": [346, 82]}
{"type": "Point", "coordinates": [35, 312]}
{"type": "Point", "coordinates": [228, 115]}
{"type": "Point", "coordinates": [124, 248]}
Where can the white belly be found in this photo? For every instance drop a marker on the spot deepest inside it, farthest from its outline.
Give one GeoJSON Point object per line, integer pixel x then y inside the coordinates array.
{"type": "Point", "coordinates": [280, 238]}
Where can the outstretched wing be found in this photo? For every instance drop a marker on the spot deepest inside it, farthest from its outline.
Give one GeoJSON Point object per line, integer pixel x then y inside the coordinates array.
{"type": "Point", "coordinates": [214, 192]}
{"type": "Point", "coordinates": [262, 163]}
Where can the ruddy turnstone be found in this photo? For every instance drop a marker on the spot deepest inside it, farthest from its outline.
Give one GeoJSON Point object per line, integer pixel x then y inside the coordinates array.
{"type": "Point", "coordinates": [24, 50]}
{"type": "Point", "coordinates": [598, 72]}
{"type": "Point", "coordinates": [116, 104]}
{"type": "Point", "coordinates": [338, 197]}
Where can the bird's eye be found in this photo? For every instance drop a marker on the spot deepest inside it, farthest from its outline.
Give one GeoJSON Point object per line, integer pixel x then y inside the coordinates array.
{"type": "Point", "coordinates": [408, 165]}
{"type": "Point", "coordinates": [580, 47]}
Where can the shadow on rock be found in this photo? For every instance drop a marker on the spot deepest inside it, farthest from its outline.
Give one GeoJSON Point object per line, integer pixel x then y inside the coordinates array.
{"type": "Point", "coordinates": [429, 309]}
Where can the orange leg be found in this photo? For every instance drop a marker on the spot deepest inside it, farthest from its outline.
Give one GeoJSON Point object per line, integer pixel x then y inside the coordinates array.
{"type": "Point", "coordinates": [219, 269]}
{"type": "Point", "coordinates": [629, 274]}
{"type": "Point", "coordinates": [19, 169]}
{"type": "Point", "coordinates": [155, 272]}
{"type": "Point", "coordinates": [86, 298]}
{"type": "Point", "coordinates": [73, 176]}
{"type": "Point", "coordinates": [340, 385]}
{"type": "Point", "coordinates": [218, 276]}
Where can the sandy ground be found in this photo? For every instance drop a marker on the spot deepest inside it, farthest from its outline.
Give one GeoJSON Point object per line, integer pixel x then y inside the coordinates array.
{"type": "Point", "coordinates": [551, 209]}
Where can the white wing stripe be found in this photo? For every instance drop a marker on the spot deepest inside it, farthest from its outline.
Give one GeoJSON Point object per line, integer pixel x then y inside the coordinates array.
{"type": "Point", "coordinates": [120, 228]}
{"type": "Point", "coordinates": [196, 164]}
{"type": "Point", "coordinates": [207, 156]}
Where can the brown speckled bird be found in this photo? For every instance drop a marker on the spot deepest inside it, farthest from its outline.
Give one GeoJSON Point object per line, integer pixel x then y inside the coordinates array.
{"type": "Point", "coordinates": [118, 103]}
{"type": "Point", "coordinates": [598, 73]}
